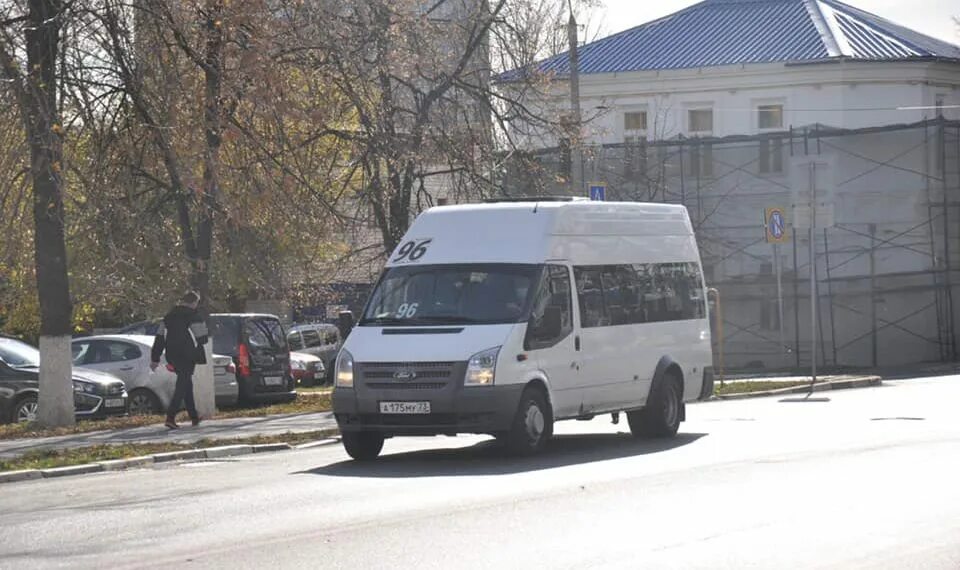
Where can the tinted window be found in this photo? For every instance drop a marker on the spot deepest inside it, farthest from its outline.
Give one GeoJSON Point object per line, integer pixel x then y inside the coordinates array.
{"type": "Point", "coordinates": [225, 332]}
{"type": "Point", "coordinates": [554, 292]}
{"type": "Point", "coordinates": [99, 352]}
{"type": "Point", "coordinates": [311, 338]}
{"type": "Point", "coordinates": [640, 293]}
{"type": "Point", "coordinates": [265, 333]}
{"type": "Point", "coordinates": [16, 353]}
{"type": "Point", "coordinates": [294, 340]}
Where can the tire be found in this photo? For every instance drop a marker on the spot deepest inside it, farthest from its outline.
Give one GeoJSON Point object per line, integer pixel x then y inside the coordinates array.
{"type": "Point", "coordinates": [661, 416]}
{"type": "Point", "coordinates": [532, 425]}
{"type": "Point", "coordinates": [143, 402]}
{"type": "Point", "coordinates": [25, 410]}
{"type": "Point", "coordinates": [362, 445]}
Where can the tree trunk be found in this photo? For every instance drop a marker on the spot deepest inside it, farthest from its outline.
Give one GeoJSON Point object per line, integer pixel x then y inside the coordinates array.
{"type": "Point", "coordinates": [213, 129]}
{"type": "Point", "coordinates": [46, 166]}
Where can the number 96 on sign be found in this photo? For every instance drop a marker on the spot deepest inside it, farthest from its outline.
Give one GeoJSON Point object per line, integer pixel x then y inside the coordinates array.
{"type": "Point", "coordinates": [411, 251]}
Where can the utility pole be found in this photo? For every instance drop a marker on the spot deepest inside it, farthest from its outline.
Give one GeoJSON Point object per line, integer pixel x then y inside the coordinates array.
{"type": "Point", "coordinates": [572, 38]}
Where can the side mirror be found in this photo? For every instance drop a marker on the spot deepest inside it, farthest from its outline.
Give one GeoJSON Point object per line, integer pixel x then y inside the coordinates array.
{"type": "Point", "coordinates": [552, 324]}
{"type": "Point", "coordinates": [345, 323]}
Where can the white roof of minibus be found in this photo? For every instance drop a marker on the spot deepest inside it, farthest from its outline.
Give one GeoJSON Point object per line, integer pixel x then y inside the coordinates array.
{"type": "Point", "coordinates": [522, 232]}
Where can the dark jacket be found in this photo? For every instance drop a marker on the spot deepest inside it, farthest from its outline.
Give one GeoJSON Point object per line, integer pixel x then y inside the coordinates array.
{"type": "Point", "coordinates": [182, 336]}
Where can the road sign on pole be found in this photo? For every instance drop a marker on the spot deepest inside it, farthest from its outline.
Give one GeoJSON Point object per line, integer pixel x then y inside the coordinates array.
{"type": "Point", "coordinates": [598, 191]}
{"type": "Point", "coordinates": [775, 224]}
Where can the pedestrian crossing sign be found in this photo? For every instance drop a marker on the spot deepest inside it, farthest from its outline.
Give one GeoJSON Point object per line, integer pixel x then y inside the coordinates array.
{"type": "Point", "coordinates": [775, 224]}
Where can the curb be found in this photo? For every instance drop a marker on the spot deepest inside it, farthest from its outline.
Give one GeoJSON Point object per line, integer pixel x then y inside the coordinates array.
{"type": "Point", "coordinates": [865, 382]}
{"type": "Point", "coordinates": [149, 460]}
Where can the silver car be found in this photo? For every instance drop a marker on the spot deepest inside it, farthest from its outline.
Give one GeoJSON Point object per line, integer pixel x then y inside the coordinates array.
{"type": "Point", "coordinates": [321, 340]}
{"type": "Point", "coordinates": [128, 357]}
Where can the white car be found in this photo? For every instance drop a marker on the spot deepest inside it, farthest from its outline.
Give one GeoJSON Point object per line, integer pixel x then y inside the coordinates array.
{"type": "Point", "coordinates": [128, 357]}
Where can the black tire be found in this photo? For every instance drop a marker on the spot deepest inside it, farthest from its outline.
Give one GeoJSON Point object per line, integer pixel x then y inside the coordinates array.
{"type": "Point", "coordinates": [25, 410]}
{"type": "Point", "coordinates": [661, 416]}
{"type": "Point", "coordinates": [362, 445]}
{"type": "Point", "coordinates": [532, 425]}
{"type": "Point", "coordinates": [143, 402]}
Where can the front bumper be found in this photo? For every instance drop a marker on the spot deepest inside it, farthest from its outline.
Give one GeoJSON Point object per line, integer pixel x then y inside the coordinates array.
{"type": "Point", "coordinates": [481, 409]}
{"type": "Point", "coordinates": [99, 406]}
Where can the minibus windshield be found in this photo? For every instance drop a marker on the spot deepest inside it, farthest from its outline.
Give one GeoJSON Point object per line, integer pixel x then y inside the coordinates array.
{"type": "Point", "coordinates": [452, 294]}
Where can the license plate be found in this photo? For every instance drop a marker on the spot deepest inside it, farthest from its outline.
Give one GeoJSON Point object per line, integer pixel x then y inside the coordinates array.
{"type": "Point", "coordinates": [273, 380]}
{"type": "Point", "coordinates": [114, 403]}
{"type": "Point", "coordinates": [404, 407]}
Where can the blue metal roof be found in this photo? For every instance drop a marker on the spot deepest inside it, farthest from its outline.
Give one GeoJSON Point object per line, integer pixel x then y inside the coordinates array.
{"type": "Point", "coordinates": [730, 32]}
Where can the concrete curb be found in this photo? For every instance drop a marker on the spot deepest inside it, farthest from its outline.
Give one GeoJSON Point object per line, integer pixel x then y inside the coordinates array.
{"type": "Point", "coordinates": [122, 464]}
{"type": "Point", "coordinates": [149, 460]}
{"type": "Point", "coordinates": [865, 382]}
{"type": "Point", "coordinates": [72, 470]}
{"type": "Point", "coordinates": [24, 475]}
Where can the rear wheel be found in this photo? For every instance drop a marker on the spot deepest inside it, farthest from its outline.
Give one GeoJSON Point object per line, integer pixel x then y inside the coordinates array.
{"type": "Point", "coordinates": [143, 402]}
{"type": "Point", "coordinates": [661, 416]}
{"type": "Point", "coordinates": [362, 445]}
{"type": "Point", "coordinates": [26, 410]}
{"type": "Point", "coordinates": [532, 425]}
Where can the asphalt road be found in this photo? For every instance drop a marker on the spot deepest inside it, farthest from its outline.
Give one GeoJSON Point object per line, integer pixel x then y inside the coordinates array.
{"type": "Point", "coordinates": [869, 479]}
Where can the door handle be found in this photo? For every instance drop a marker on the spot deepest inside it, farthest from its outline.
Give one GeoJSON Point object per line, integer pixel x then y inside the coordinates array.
{"type": "Point", "coordinates": [576, 342]}
{"type": "Point", "coordinates": [127, 368]}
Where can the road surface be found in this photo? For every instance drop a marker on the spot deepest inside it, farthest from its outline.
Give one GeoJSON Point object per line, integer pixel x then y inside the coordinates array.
{"type": "Point", "coordinates": [868, 479]}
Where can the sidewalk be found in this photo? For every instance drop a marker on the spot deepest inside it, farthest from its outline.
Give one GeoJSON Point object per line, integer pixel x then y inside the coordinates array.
{"type": "Point", "coordinates": [210, 429]}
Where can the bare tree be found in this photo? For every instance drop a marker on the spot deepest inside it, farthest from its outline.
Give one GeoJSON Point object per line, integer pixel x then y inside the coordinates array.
{"type": "Point", "coordinates": [37, 95]}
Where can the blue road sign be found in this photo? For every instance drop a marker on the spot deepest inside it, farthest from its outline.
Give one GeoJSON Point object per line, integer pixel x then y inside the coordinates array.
{"type": "Point", "coordinates": [776, 225]}
{"type": "Point", "coordinates": [598, 191]}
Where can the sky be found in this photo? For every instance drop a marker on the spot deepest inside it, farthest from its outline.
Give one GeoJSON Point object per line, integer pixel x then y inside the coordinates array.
{"type": "Point", "coordinates": [931, 17]}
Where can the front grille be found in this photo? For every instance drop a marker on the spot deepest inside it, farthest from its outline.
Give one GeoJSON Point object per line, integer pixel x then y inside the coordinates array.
{"type": "Point", "coordinates": [409, 375]}
{"type": "Point", "coordinates": [406, 385]}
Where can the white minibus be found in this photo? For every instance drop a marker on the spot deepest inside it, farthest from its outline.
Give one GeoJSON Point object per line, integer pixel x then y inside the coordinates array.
{"type": "Point", "coordinates": [502, 318]}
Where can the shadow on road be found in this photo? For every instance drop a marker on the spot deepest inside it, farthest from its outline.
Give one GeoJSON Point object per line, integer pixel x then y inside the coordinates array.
{"type": "Point", "coordinates": [488, 458]}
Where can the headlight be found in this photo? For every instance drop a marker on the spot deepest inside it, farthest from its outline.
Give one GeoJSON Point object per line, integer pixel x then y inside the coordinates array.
{"type": "Point", "coordinates": [297, 365]}
{"type": "Point", "coordinates": [344, 370]}
{"type": "Point", "coordinates": [84, 387]}
{"type": "Point", "coordinates": [482, 367]}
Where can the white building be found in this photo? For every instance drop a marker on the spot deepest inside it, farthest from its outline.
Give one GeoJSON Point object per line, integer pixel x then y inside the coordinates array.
{"type": "Point", "coordinates": [719, 105]}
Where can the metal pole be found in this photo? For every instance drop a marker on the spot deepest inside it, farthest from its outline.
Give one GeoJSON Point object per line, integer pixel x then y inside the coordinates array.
{"type": "Point", "coordinates": [779, 269]}
{"type": "Point", "coordinates": [796, 298]}
{"type": "Point", "coordinates": [572, 35]}
{"type": "Point", "coordinates": [812, 169]}
{"type": "Point", "coordinates": [833, 322]}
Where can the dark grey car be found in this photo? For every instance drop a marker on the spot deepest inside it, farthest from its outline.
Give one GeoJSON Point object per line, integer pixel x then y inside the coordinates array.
{"type": "Point", "coordinates": [258, 345]}
{"type": "Point", "coordinates": [95, 394]}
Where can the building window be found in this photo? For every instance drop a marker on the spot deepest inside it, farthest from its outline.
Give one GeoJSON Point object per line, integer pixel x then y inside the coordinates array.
{"type": "Point", "coordinates": [771, 156]}
{"type": "Point", "coordinates": [770, 117]}
{"type": "Point", "coordinates": [938, 104]}
{"type": "Point", "coordinates": [701, 160]}
{"type": "Point", "coordinates": [635, 121]}
{"type": "Point", "coordinates": [700, 121]}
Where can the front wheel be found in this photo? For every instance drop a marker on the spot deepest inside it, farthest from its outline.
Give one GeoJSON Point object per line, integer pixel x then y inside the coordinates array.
{"type": "Point", "coordinates": [661, 416]}
{"type": "Point", "coordinates": [26, 410]}
{"type": "Point", "coordinates": [362, 445]}
{"type": "Point", "coordinates": [532, 425]}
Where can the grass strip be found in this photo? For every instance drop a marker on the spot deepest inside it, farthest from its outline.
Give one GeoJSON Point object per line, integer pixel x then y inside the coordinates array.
{"type": "Point", "coordinates": [755, 386]}
{"type": "Point", "coordinates": [47, 459]}
{"type": "Point", "coordinates": [315, 402]}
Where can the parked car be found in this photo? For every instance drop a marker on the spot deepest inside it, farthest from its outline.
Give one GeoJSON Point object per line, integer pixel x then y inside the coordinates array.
{"type": "Point", "coordinates": [258, 345]}
{"type": "Point", "coordinates": [128, 357]}
{"type": "Point", "coordinates": [95, 394]}
{"type": "Point", "coordinates": [321, 340]}
{"type": "Point", "coordinates": [307, 369]}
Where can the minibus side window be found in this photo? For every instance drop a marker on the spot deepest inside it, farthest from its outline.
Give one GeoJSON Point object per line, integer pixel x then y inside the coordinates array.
{"type": "Point", "coordinates": [554, 294]}
{"type": "Point", "coordinates": [590, 291]}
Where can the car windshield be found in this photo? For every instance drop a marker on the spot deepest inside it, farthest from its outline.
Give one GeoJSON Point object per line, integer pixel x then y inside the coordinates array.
{"type": "Point", "coordinates": [18, 354]}
{"type": "Point", "coordinates": [452, 294]}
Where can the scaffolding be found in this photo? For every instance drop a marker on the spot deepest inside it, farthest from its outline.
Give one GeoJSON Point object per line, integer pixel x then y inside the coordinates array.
{"type": "Point", "coordinates": [886, 262]}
